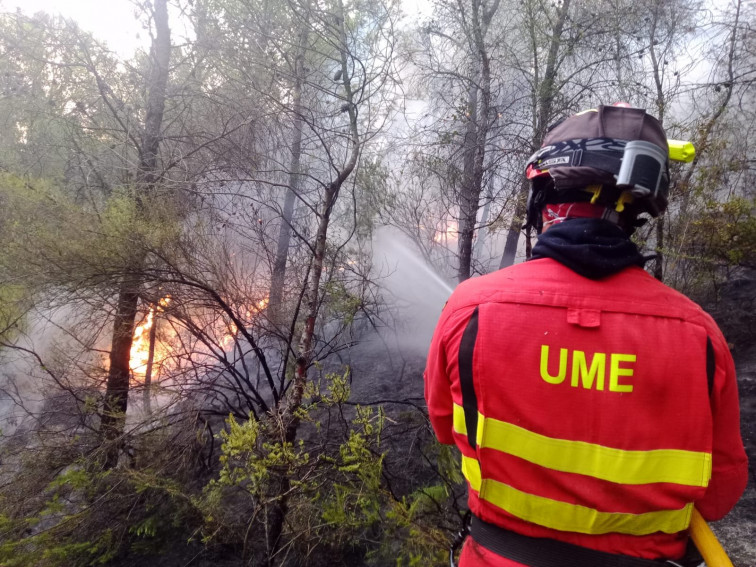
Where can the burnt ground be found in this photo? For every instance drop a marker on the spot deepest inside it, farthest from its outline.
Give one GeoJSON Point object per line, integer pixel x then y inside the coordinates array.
{"type": "Point", "coordinates": [737, 531]}
{"type": "Point", "coordinates": [735, 312]}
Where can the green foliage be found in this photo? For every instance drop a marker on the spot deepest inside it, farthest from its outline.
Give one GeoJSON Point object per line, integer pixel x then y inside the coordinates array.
{"type": "Point", "coordinates": [354, 502]}
{"type": "Point", "coordinates": [248, 463]}
{"type": "Point", "coordinates": [45, 551]}
{"type": "Point", "coordinates": [329, 390]}
{"type": "Point", "coordinates": [339, 498]}
{"type": "Point", "coordinates": [12, 308]}
{"type": "Point", "coordinates": [83, 516]}
{"type": "Point", "coordinates": [448, 464]}
{"type": "Point", "coordinates": [53, 116]}
{"type": "Point", "coordinates": [372, 180]}
{"type": "Point", "coordinates": [420, 539]}
{"type": "Point", "coordinates": [416, 529]}
{"type": "Point", "coordinates": [150, 223]}
{"type": "Point", "coordinates": [725, 232]}
{"type": "Point", "coordinates": [344, 304]}
{"type": "Point", "coordinates": [48, 538]}
{"type": "Point", "coordinates": [50, 240]}
{"type": "Point", "coordinates": [147, 527]}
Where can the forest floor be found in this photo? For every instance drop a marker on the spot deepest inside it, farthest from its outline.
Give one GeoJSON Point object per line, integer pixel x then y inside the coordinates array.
{"type": "Point", "coordinates": [735, 312]}
{"type": "Point", "coordinates": [737, 531]}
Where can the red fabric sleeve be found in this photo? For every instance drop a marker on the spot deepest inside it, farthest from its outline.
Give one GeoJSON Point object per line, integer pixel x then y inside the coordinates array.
{"type": "Point", "coordinates": [438, 381]}
{"type": "Point", "coordinates": [729, 462]}
{"type": "Point", "coordinates": [438, 385]}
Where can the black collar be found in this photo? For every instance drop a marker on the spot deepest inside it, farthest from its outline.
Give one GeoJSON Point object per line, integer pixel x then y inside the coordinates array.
{"type": "Point", "coordinates": [594, 248]}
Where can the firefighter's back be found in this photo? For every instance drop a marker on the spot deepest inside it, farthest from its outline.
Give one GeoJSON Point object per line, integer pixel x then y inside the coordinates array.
{"type": "Point", "coordinates": [593, 423]}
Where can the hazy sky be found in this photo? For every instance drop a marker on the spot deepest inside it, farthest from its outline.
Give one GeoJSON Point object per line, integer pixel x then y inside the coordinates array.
{"type": "Point", "coordinates": [112, 21]}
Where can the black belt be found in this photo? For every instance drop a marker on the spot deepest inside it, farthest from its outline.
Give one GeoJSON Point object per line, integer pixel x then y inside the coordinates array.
{"type": "Point", "coordinates": [544, 552]}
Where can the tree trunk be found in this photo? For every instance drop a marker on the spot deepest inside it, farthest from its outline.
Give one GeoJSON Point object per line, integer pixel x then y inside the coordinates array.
{"type": "Point", "coordinates": [469, 195]}
{"type": "Point", "coordinates": [117, 386]}
{"type": "Point", "coordinates": [278, 487]}
{"type": "Point", "coordinates": [543, 109]}
{"type": "Point", "coordinates": [117, 393]}
{"type": "Point", "coordinates": [547, 88]}
{"type": "Point", "coordinates": [289, 420]}
{"type": "Point", "coordinates": [479, 108]}
{"type": "Point", "coordinates": [515, 227]}
{"type": "Point", "coordinates": [276, 513]}
{"type": "Point", "coordinates": [284, 233]}
{"type": "Point", "coordinates": [480, 243]}
{"type": "Point", "coordinates": [146, 394]}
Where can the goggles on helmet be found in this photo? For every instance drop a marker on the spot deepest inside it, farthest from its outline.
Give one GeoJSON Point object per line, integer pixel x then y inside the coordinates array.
{"type": "Point", "coordinates": [638, 166]}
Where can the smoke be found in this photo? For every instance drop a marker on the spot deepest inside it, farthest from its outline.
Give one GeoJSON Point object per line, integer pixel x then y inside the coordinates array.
{"type": "Point", "coordinates": [54, 354]}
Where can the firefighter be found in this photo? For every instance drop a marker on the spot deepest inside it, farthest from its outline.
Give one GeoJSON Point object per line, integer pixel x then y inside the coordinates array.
{"type": "Point", "coordinates": [594, 406]}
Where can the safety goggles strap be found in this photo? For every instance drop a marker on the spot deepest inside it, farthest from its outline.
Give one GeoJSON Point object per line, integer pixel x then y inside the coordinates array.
{"type": "Point", "coordinates": [600, 153]}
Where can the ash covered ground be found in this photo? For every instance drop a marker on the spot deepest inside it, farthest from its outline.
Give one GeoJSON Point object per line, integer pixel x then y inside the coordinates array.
{"type": "Point", "coordinates": [735, 312]}
{"type": "Point", "coordinates": [737, 531]}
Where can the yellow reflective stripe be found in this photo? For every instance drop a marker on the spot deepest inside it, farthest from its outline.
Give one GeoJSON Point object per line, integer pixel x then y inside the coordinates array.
{"type": "Point", "coordinates": [460, 425]}
{"type": "Point", "coordinates": [459, 419]}
{"type": "Point", "coordinates": [676, 466]}
{"type": "Point", "coordinates": [616, 465]}
{"type": "Point", "coordinates": [571, 517]}
{"type": "Point", "coordinates": [471, 471]}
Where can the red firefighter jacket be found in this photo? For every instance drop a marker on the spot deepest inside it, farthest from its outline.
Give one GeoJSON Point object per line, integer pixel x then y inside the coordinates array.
{"type": "Point", "coordinates": [596, 412]}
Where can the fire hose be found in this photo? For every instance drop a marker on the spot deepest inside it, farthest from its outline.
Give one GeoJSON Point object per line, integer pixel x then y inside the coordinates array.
{"type": "Point", "coordinates": [707, 543]}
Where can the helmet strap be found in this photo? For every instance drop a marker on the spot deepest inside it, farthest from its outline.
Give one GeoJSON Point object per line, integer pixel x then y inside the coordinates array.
{"type": "Point", "coordinates": [560, 212]}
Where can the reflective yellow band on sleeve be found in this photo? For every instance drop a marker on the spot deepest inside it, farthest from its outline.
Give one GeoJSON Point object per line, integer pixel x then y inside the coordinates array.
{"type": "Point", "coordinates": [688, 468]}
{"type": "Point", "coordinates": [459, 420]}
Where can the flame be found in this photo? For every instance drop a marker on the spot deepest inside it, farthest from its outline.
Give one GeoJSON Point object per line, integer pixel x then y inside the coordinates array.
{"type": "Point", "coordinates": [139, 355]}
{"type": "Point", "coordinates": [224, 331]}
{"type": "Point", "coordinates": [228, 338]}
{"type": "Point", "coordinates": [140, 345]}
{"type": "Point", "coordinates": [230, 331]}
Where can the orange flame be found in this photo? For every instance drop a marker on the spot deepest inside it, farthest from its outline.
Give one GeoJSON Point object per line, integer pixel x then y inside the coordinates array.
{"type": "Point", "coordinates": [224, 331]}
{"type": "Point", "coordinates": [230, 330]}
{"type": "Point", "coordinates": [140, 346]}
